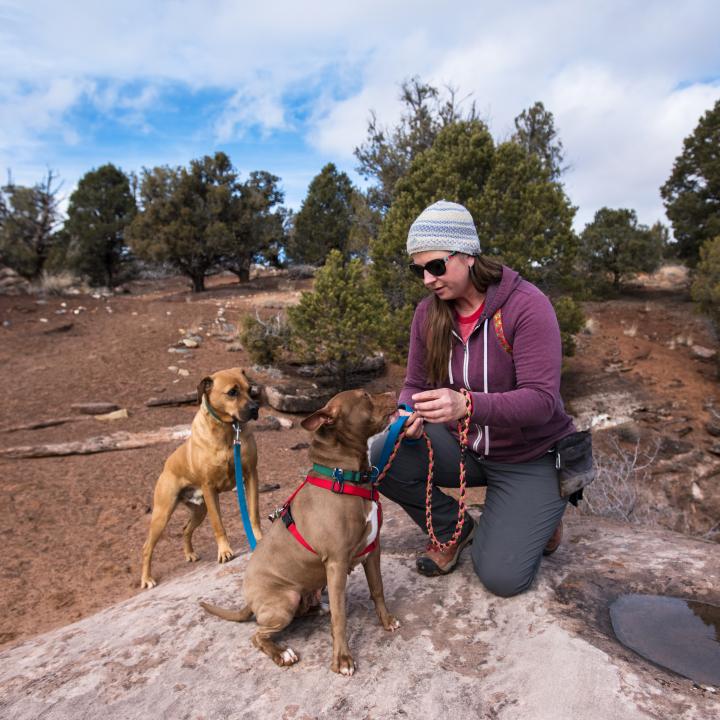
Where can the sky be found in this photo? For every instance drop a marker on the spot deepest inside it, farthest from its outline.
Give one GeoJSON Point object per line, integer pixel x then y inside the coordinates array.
{"type": "Point", "coordinates": [289, 86]}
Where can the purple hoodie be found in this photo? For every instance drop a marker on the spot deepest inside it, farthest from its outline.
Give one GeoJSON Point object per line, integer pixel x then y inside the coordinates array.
{"type": "Point", "coordinates": [518, 413]}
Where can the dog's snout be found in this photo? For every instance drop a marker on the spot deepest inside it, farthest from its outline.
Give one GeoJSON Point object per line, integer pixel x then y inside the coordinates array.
{"type": "Point", "coordinates": [253, 407]}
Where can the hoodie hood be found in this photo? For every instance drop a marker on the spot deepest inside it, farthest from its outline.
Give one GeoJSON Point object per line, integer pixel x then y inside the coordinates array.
{"type": "Point", "coordinates": [497, 295]}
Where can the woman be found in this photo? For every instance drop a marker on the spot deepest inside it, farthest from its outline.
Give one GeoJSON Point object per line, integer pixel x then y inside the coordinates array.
{"type": "Point", "coordinates": [487, 330]}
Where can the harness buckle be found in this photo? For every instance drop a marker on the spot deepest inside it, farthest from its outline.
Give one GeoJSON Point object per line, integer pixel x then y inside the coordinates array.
{"type": "Point", "coordinates": [338, 483]}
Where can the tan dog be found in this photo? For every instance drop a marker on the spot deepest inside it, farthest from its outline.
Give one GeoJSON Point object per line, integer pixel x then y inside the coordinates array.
{"type": "Point", "coordinates": [203, 466]}
{"type": "Point", "coordinates": [282, 576]}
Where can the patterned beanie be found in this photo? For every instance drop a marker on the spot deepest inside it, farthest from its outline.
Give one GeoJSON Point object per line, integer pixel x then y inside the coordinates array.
{"type": "Point", "coordinates": [444, 226]}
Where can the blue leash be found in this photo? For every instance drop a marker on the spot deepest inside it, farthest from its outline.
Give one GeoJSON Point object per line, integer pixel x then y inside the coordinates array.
{"type": "Point", "coordinates": [392, 436]}
{"type": "Point", "coordinates": [240, 487]}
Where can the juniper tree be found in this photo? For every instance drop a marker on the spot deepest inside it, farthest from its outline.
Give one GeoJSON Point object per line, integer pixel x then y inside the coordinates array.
{"type": "Point", "coordinates": [341, 321]}
{"type": "Point", "coordinates": [100, 209]}
{"type": "Point", "coordinates": [692, 192]}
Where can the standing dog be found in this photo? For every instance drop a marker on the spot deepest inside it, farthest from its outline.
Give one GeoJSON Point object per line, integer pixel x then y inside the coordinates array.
{"type": "Point", "coordinates": [284, 573]}
{"type": "Point", "coordinates": [203, 466]}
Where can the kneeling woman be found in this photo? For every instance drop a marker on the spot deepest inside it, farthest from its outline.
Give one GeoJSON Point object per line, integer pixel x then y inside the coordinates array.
{"type": "Point", "coordinates": [485, 330]}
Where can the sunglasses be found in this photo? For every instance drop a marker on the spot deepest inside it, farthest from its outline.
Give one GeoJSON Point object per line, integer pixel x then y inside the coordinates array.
{"type": "Point", "coordinates": [434, 267]}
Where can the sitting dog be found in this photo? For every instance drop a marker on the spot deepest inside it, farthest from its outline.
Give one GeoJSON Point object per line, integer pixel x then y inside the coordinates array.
{"type": "Point", "coordinates": [203, 466]}
{"type": "Point", "coordinates": [329, 525]}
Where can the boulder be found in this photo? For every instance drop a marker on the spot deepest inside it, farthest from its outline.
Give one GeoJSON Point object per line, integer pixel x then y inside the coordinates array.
{"type": "Point", "coordinates": [702, 353]}
{"type": "Point", "coordinates": [95, 408]}
{"type": "Point", "coordinates": [460, 651]}
{"type": "Point", "coordinates": [294, 399]}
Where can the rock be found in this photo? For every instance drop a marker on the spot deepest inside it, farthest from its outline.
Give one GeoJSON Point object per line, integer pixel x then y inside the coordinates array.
{"type": "Point", "coordinates": [459, 652]}
{"type": "Point", "coordinates": [300, 446]}
{"type": "Point", "coordinates": [268, 487]}
{"type": "Point", "coordinates": [682, 432]}
{"type": "Point", "coordinates": [696, 492]}
{"type": "Point", "coordinates": [702, 353]}
{"type": "Point", "coordinates": [590, 327]}
{"type": "Point", "coordinates": [95, 408]}
{"type": "Point", "coordinates": [286, 423]}
{"type": "Point", "coordinates": [190, 343]}
{"type": "Point", "coordinates": [173, 368]}
{"type": "Point", "coordinates": [179, 351]}
{"type": "Point", "coordinates": [185, 399]}
{"type": "Point", "coordinates": [268, 422]}
{"type": "Point", "coordinates": [669, 446]}
{"type": "Point", "coordinates": [63, 327]}
{"type": "Point", "coordinates": [295, 400]}
{"type": "Point", "coordinates": [183, 372]}
{"type": "Point", "coordinates": [715, 449]}
{"type": "Point", "coordinates": [368, 368]}
{"type": "Point", "coordinates": [713, 428]}
{"type": "Point", "coordinates": [234, 346]}
{"type": "Point", "coordinates": [115, 415]}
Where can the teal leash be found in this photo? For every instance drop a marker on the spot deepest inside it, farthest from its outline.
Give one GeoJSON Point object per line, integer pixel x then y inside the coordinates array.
{"type": "Point", "coordinates": [240, 487]}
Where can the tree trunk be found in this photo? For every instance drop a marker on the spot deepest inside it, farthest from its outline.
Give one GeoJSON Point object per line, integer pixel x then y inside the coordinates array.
{"type": "Point", "coordinates": [198, 282]}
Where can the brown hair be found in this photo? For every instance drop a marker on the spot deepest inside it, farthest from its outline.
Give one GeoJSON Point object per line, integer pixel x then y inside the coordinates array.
{"type": "Point", "coordinates": [438, 327]}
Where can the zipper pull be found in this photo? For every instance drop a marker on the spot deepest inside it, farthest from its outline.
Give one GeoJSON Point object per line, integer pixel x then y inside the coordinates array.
{"type": "Point", "coordinates": [557, 460]}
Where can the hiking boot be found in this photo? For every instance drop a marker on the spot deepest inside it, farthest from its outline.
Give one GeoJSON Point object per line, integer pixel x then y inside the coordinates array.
{"type": "Point", "coordinates": [442, 562]}
{"type": "Point", "coordinates": [554, 542]}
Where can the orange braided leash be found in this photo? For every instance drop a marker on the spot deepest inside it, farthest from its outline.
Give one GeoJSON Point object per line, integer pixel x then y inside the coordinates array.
{"type": "Point", "coordinates": [463, 429]}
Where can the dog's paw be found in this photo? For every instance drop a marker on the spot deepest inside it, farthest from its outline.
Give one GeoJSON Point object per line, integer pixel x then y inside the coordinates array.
{"type": "Point", "coordinates": [192, 557]}
{"type": "Point", "coordinates": [287, 657]}
{"type": "Point", "coordinates": [147, 582]}
{"type": "Point", "coordinates": [225, 555]}
{"type": "Point", "coordinates": [392, 624]}
{"type": "Point", "coordinates": [344, 665]}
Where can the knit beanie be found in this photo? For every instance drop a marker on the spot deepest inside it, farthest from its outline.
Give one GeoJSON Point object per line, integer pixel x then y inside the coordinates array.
{"type": "Point", "coordinates": [444, 226]}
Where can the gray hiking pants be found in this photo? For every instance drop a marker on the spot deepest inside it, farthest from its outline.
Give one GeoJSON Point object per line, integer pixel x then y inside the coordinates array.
{"type": "Point", "coordinates": [522, 505]}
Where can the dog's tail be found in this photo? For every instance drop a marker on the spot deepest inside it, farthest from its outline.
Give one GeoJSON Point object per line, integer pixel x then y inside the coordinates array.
{"type": "Point", "coordinates": [235, 615]}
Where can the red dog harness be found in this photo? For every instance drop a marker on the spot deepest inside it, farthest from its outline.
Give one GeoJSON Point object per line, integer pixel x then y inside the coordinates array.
{"type": "Point", "coordinates": [340, 487]}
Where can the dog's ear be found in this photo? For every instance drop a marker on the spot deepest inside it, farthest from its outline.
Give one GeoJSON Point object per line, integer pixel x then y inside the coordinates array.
{"type": "Point", "coordinates": [324, 416]}
{"type": "Point", "coordinates": [204, 386]}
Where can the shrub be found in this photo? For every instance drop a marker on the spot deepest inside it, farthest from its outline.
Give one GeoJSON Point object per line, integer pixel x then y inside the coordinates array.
{"type": "Point", "coordinates": [264, 340]}
{"type": "Point", "coordinates": [706, 285]}
{"type": "Point", "coordinates": [342, 320]}
{"type": "Point", "coordinates": [571, 319]}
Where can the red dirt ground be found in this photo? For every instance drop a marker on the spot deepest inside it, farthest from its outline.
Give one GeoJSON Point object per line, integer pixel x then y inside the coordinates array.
{"type": "Point", "coordinates": [73, 527]}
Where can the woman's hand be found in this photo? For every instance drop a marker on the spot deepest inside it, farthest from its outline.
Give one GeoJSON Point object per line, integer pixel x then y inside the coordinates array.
{"type": "Point", "coordinates": [439, 405]}
{"type": "Point", "coordinates": [413, 426]}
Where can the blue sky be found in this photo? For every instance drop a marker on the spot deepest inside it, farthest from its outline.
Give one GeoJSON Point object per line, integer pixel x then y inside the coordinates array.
{"type": "Point", "coordinates": [288, 86]}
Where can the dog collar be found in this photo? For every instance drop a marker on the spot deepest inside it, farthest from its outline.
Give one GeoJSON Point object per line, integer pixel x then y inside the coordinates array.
{"type": "Point", "coordinates": [340, 475]}
{"type": "Point", "coordinates": [212, 412]}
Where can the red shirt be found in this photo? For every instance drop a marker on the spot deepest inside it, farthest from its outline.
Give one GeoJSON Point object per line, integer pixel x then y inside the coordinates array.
{"type": "Point", "coordinates": [467, 322]}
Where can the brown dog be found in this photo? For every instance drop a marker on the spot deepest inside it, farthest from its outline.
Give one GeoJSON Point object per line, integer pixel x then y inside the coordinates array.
{"type": "Point", "coordinates": [283, 575]}
{"type": "Point", "coordinates": [203, 466]}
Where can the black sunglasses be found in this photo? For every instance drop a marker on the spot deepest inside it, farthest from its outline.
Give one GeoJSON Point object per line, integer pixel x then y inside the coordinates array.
{"type": "Point", "coordinates": [434, 267]}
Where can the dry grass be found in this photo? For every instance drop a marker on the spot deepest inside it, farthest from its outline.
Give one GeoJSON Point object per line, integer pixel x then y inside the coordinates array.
{"type": "Point", "coordinates": [60, 283]}
{"type": "Point", "coordinates": [618, 491]}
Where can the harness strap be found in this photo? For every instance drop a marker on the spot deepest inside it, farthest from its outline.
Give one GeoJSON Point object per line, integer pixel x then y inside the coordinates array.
{"type": "Point", "coordinates": [341, 488]}
{"type": "Point", "coordinates": [337, 487]}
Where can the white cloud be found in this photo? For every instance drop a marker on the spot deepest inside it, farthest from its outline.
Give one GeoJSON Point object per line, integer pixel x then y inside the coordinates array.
{"type": "Point", "coordinates": [626, 81]}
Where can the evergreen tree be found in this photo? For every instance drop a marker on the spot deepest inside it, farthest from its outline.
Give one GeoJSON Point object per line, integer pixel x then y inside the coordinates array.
{"type": "Point", "coordinates": [342, 319]}
{"type": "Point", "coordinates": [29, 220]}
{"type": "Point", "coordinates": [614, 245]}
{"type": "Point", "coordinates": [100, 209]}
{"type": "Point", "coordinates": [706, 285]}
{"type": "Point", "coordinates": [692, 192]}
{"type": "Point", "coordinates": [189, 216]}
{"type": "Point", "coordinates": [525, 218]}
{"type": "Point", "coordinates": [325, 218]}
{"type": "Point", "coordinates": [535, 131]}
{"type": "Point", "coordinates": [387, 154]}
{"type": "Point", "coordinates": [258, 231]}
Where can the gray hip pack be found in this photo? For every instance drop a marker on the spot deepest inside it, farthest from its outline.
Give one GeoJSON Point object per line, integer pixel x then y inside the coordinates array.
{"type": "Point", "coordinates": [574, 462]}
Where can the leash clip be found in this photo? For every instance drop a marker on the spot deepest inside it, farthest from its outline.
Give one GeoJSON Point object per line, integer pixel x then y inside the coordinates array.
{"type": "Point", "coordinates": [338, 483]}
{"type": "Point", "coordinates": [238, 429]}
{"type": "Point", "coordinates": [373, 473]}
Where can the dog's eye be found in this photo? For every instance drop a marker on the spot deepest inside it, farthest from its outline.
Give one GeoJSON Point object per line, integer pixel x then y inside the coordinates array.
{"type": "Point", "coordinates": [232, 392]}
